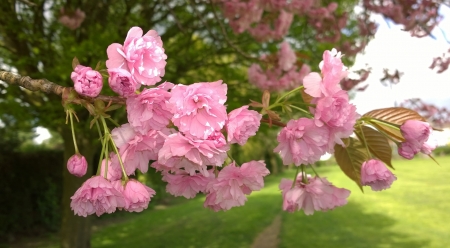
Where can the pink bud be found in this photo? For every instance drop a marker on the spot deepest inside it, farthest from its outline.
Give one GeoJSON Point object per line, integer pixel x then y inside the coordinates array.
{"type": "Point", "coordinates": [87, 82]}
{"type": "Point", "coordinates": [416, 131]}
{"type": "Point", "coordinates": [77, 165]}
{"type": "Point", "coordinates": [375, 174]}
{"type": "Point", "coordinates": [122, 82]}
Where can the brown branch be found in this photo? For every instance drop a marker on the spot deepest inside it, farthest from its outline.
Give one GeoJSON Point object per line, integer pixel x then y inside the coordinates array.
{"type": "Point", "coordinates": [273, 122]}
{"type": "Point", "coordinates": [43, 85]}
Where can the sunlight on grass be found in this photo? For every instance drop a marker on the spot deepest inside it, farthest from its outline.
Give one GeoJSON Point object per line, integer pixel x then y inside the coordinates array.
{"type": "Point", "coordinates": [413, 213]}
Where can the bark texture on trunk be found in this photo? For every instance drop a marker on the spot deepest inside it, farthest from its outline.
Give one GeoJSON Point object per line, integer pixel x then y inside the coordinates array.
{"type": "Point", "coordinates": [75, 230]}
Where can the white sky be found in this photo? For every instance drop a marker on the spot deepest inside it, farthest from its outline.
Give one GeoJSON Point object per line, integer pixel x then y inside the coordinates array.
{"type": "Point", "coordinates": [393, 48]}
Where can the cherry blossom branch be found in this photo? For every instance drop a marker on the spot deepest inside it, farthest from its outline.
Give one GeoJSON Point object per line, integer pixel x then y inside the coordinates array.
{"type": "Point", "coordinates": [273, 122]}
{"type": "Point", "coordinates": [44, 85]}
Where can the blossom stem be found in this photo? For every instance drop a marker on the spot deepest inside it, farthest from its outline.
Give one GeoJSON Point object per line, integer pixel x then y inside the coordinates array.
{"type": "Point", "coordinates": [303, 174]}
{"type": "Point", "coordinates": [73, 132]}
{"type": "Point", "coordinates": [114, 122]}
{"type": "Point", "coordinates": [386, 135]}
{"type": "Point", "coordinates": [102, 154]}
{"type": "Point", "coordinates": [295, 178]}
{"type": "Point", "coordinates": [365, 141]}
{"type": "Point", "coordinates": [385, 123]}
{"type": "Point", "coordinates": [288, 93]}
{"type": "Point", "coordinates": [109, 138]}
{"type": "Point", "coordinates": [315, 172]}
{"type": "Point", "coordinates": [301, 110]}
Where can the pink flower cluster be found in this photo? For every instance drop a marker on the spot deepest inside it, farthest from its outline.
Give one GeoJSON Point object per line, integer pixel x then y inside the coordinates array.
{"type": "Point", "coordinates": [233, 183]}
{"type": "Point", "coordinates": [141, 58]}
{"type": "Point", "coordinates": [417, 17]}
{"type": "Point", "coordinates": [304, 141]}
{"type": "Point", "coordinates": [186, 153]}
{"type": "Point", "coordinates": [271, 19]}
{"type": "Point", "coordinates": [98, 195]}
{"type": "Point", "coordinates": [416, 134]}
{"type": "Point", "coordinates": [282, 73]}
{"type": "Point", "coordinates": [71, 19]}
{"type": "Point", "coordinates": [316, 194]}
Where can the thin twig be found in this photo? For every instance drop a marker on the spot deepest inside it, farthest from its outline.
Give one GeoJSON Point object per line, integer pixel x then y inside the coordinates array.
{"type": "Point", "coordinates": [225, 36]}
{"type": "Point", "coordinates": [44, 85]}
{"type": "Point", "coordinates": [274, 122]}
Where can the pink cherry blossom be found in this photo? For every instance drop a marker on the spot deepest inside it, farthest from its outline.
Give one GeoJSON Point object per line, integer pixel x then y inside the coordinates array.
{"type": "Point", "coordinates": [71, 19]}
{"type": "Point", "coordinates": [96, 195]}
{"type": "Point", "coordinates": [113, 173]}
{"type": "Point", "coordinates": [121, 82]}
{"type": "Point", "coordinates": [233, 183]}
{"type": "Point", "coordinates": [337, 113]}
{"type": "Point", "coordinates": [333, 72]}
{"type": "Point", "coordinates": [137, 195]}
{"type": "Point", "coordinates": [242, 124]}
{"type": "Point", "coordinates": [252, 174]}
{"type": "Point", "coordinates": [87, 82]}
{"type": "Point", "coordinates": [199, 108]}
{"type": "Point", "coordinates": [149, 110]}
{"type": "Point", "coordinates": [286, 57]}
{"type": "Point", "coordinates": [183, 184]}
{"type": "Point", "coordinates": [199, 152]}
{"type": "Point", "coordinates": [375, 174]}
{"type": "Point", "coordinates": [142, 55]}
{"type": "Point", "coordinates": [317, 194]}
{"type": "Point", "coordinates": [302, 142]}
{"type": "Point", "coordinates": [77, 165]}
{"type": "Point", "coordinates": [136, 150]}
{"type": "Point", "coordinates": [416, 133]}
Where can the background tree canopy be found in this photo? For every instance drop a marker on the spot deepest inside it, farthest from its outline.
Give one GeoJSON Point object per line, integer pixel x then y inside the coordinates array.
{"type": "Point", "coordinates": [199, 43]}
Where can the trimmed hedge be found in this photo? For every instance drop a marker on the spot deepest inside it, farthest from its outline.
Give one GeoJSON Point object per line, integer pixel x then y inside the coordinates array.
{"type": "Point", "coordinates": [30, 187]}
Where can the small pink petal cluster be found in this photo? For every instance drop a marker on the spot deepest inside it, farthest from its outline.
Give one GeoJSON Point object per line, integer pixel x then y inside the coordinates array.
{"type": "Point", "coordinates": [77, 165]}
{"type": "Point", "coordinates": [96, 195]}
{"type": "Point", "coordinates": [87, 82]}
{"type": "Point", "coordinates": [282, 74]}
{"type": "Point", "coordinates": [304, 141]}
{"type": "Point", "coordinates": [242, 124]}
{"type": "Point", "coordinates": [71, 20]}
{"type": "Point", "coordinates": [183, 184]}
{"type": "Point", "coordinates": [121, 82]}
{"type": "Point", "coordinates": [416, 134]}
{"type": "Point", "coordinates": [233, 183]}
{"type": "Point", "coordinates": [376, 175]}
{"type": "Point", "coordinates": [137, 196]}
{"type": "Point", "coordinates": [141, 55]}
{"type": "Point", "coordinates": [199, 108]}
{"type": "Point", "coordinates": [317, 194]}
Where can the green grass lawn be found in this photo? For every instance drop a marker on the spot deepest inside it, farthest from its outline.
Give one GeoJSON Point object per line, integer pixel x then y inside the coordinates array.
{"type": "Point", "coordinates": [413, 213]}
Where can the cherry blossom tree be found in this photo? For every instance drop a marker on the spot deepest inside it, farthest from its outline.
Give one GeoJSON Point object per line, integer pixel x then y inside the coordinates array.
{"type": "Point", "coordinates": [187, 73]}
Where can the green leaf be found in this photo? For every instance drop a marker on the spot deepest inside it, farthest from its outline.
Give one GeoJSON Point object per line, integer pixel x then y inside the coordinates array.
{"type": "Point", "coordinates": [393, 133]}
{"type": "Point", "coordinates": [377, 143]}
{"type": "Point", "coordinates": [382, 119]}
{"type": "Point", "coordinates": [351, 158]}
{"type": "Point", "coordinates": [395, 115]}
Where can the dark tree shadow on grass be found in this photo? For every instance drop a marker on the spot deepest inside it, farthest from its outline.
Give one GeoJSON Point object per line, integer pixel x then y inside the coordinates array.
{"type": "Point", "coordinates": [347, 226]}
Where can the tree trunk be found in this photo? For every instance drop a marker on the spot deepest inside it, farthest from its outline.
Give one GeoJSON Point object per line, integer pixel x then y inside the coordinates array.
{"type": "Point", "coordinates": [75, 230]}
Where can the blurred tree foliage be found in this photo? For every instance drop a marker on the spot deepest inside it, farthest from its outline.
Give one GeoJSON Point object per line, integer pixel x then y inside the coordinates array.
{"type": "Point", "coordinates": [199, 46]}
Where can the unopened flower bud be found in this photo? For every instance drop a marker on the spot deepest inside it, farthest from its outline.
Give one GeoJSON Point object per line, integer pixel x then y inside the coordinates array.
{"type": "Point", "coordinates": [77, 165]}
{"type": "Point", "coordinates": [121, 82]}
{"type": "Point", "coordinates": [87, 82]}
